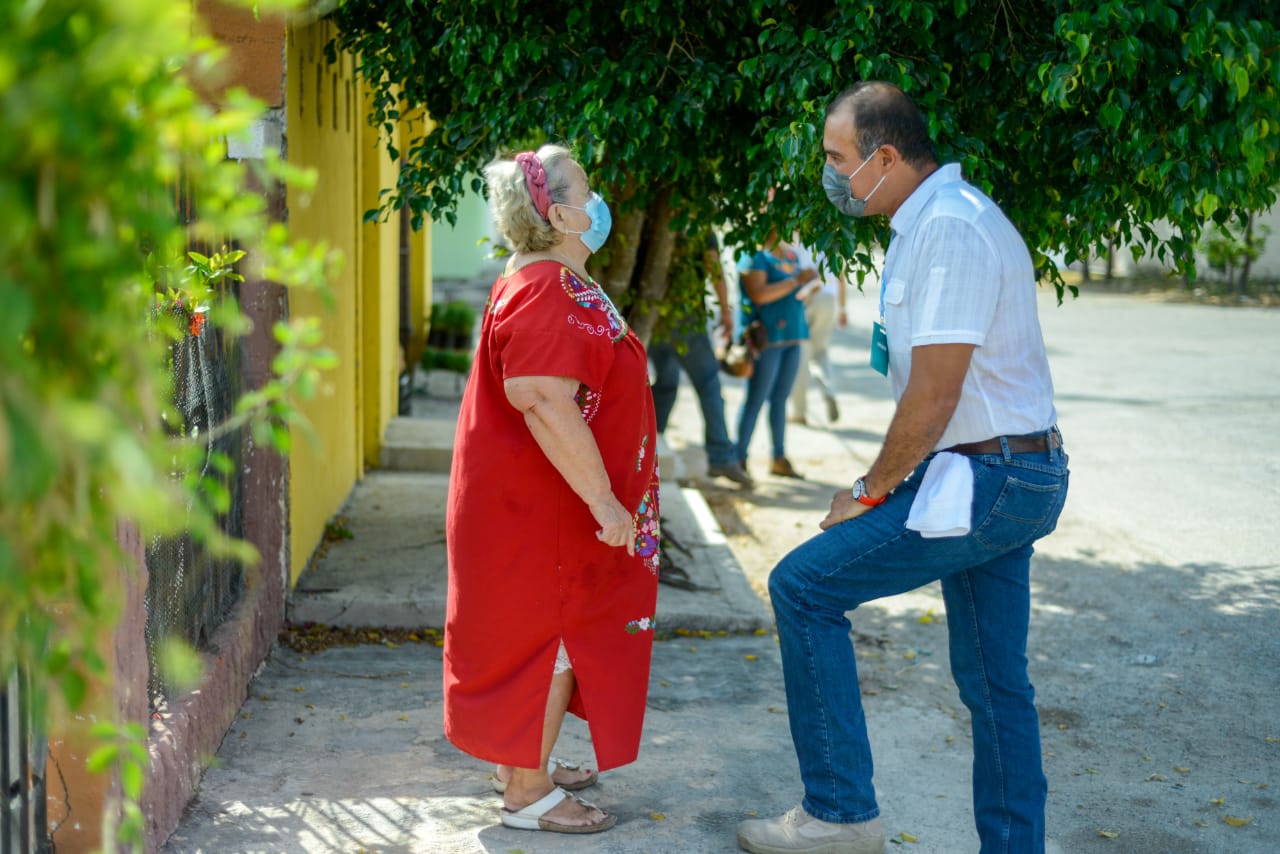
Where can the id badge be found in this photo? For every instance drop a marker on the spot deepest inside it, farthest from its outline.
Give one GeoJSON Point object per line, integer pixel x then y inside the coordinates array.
{"type": "Point", "coordinates": [879, 348]}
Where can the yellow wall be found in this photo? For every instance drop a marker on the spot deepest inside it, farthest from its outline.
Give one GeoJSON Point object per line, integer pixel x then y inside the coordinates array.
{"type": "Point", "coordinates": [327, 131]}
{"type": "Point", "coordinates": [416, 123]}
{"type": "Point", "coordinates": [380, 310]}
{"type": "Point", "coordinates": [324, 128]}
{"type": "Point", "coordinates": [420, 288]}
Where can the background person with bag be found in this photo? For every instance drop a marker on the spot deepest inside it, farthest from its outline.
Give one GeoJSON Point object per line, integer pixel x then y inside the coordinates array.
{"type": "Point", "coordinates": [768, 280]}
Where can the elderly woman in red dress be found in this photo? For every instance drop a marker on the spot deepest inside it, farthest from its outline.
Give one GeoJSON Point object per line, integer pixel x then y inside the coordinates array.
{"type": "Point", "coordinates": [553, 509]}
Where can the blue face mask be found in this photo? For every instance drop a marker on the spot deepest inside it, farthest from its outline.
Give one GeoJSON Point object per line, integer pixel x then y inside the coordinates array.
{"type": "Point", "coordinates": [601, 221]}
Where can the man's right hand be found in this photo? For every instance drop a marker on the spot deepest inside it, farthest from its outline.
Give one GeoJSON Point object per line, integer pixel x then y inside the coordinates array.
{"type": "Point", "coordinates": [843, 508]}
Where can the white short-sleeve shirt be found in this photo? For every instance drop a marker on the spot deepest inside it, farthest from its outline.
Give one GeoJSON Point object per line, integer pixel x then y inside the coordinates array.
{"type": "Point", "coordinates": [958, 272]}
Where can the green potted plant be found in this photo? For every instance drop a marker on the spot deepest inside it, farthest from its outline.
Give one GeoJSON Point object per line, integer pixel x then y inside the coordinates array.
{"type": "Point", "coordinates": [451, 325]}
{"type": "Point", "coordinates": [457, 361]}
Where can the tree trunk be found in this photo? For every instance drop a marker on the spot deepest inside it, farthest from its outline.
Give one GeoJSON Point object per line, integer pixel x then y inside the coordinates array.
{"type": "Point", "coordinates": [654, 275]}
{"type": "Point", "coordinates": [640, 257]}
{"type": "Point", "coordinates": [1188, 261]}
{"type": "Point", "coordinates": [628, 229]}
{"type": "Point", "coordinates": [1243, 284]}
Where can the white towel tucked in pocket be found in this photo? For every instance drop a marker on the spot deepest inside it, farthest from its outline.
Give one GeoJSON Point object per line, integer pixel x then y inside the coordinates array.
{"type": "Point", "coordinates": [943, 506]}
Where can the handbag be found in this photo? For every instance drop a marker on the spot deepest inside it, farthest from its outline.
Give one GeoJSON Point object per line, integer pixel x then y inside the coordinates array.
{"type": "Point", "coordinates": [738, 358]}
{"type": "Point", "coordinates": [734, 357]}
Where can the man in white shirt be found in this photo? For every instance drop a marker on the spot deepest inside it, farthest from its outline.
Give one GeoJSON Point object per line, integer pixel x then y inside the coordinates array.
{"type": "Point", "coordinates": [971, 473]}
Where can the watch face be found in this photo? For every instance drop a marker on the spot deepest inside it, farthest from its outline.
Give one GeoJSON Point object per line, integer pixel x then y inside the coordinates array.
{"type": "Point", "coordinates": [859, 489]}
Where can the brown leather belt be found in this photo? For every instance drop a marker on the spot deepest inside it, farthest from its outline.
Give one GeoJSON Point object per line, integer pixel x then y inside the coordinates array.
{"type": "Point", "coordinates": [1017, 445]}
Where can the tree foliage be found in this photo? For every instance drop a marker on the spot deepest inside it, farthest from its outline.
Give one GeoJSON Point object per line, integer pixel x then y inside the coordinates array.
{"type": "Point", "coordinates": [1088, 121]}
{"type": "Point", "coordinates": [100, 130]}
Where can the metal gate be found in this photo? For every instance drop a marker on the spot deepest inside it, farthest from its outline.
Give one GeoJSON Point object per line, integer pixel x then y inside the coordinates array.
{"type": "Point", "coordinates": [23, 827]}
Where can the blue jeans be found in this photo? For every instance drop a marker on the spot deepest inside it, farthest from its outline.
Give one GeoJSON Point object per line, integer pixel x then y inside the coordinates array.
{"type": "Point", "coordinates": [771, 381]}
{"type": "Point", "coordinates": [985, 585]}
{"type": "Point", "coordinates": [699, 362]}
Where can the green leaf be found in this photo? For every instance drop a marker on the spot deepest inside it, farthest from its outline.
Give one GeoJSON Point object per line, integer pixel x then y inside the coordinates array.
{"type": "Point", "coordinates": [102, 758]}
{"type": "Point", "coordinates": [1111, 115]}
{"type": "Point", "coordinates": [1207, 205]}
{"type": "Point", "coordinates": [74, 689]}
{"type": "Point", "coordinates": [131, 780]}
{"type": "Point", "coordinates": [1241, 77]}
{"type": "Point", "coordinates": [1081, 42]}
{"type": "Point", "coordinates": [180, 666]}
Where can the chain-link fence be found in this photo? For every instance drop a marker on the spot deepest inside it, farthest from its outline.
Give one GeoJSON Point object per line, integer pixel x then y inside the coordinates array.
{"type": "Point", "coordinates": [190, 592]}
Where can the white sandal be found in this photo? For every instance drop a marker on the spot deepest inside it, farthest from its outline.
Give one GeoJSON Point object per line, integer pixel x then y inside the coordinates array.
{"type": "Point", "coordinates": [531, 817]}
{"type": "Point", "coordinates": [500, 786]}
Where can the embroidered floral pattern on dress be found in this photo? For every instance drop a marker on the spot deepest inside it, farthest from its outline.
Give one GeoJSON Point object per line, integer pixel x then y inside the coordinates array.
{"type": "Point", "coordinates": [644, 440]}
{"type": "Point", "coordinates": [648, 530]}
{"type": "Point", "coordinates": [644, 624]}
{"type": "Point", "coordinates": [588, 401]}
{"type": "Point", "coordinates": [589, 295]}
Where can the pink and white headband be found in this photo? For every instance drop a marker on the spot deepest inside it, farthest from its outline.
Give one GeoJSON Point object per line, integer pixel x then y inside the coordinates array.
{"type": "Point", "coordinates": [535, 178]}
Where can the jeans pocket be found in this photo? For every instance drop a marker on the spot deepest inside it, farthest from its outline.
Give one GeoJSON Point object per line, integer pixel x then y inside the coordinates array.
{"type": "Point", "coordinates": [1022, 512]}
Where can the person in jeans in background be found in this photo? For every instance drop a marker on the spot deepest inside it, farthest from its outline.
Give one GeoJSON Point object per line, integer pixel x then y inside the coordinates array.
{"type": "Point", "coordinates": [971, 473]}
{"type": "Point", "coordinates": [769, 280]}
{"type": "Point", "coordinates": [824, 310]}
{"type": "Point", "coordinates": [699, 361]}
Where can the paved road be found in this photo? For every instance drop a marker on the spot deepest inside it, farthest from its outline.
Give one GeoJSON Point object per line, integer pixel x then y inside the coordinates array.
{"type": "Point", "coordinates": [1154, 645]}
{"type": "Point", "coordinates": [1175, 406]}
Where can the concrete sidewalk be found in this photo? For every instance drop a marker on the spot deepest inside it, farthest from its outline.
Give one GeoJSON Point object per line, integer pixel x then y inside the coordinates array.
{"type": "Point", "coordinates": [343, 749]}
{"type": "Point", "coordinates": [392, 572]}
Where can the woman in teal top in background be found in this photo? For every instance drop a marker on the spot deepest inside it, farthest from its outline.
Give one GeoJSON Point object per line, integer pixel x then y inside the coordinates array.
{"type": "Point", "coordinates": [769, 280]}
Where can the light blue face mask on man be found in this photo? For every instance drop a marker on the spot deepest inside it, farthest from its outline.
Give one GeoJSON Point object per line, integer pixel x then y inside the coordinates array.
{"type": "Point", "coordinates": [601, 221]}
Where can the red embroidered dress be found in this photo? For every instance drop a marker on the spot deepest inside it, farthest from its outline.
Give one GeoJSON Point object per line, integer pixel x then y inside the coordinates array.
{"type": "Point", "coordinates": [525, 568]}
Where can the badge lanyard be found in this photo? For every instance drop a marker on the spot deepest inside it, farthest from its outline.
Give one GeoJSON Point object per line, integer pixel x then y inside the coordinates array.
{"type": "Point", "coordinates": [879, 337]}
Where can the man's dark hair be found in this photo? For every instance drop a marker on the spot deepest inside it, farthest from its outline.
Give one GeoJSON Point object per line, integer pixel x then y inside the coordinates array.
{"type": "Point", "coordinates": [884, 115]}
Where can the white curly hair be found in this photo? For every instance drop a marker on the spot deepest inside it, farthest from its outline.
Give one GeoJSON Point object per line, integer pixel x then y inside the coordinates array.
{"type": "Point", "coordinates": [513, 210]}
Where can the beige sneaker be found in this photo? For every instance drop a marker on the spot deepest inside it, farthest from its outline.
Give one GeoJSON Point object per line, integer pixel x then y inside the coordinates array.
{"type": "Point", "coordinates": [797, 831]}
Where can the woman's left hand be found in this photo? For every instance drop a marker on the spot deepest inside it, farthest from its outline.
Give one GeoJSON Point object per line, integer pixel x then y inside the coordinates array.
{"type": "Point", "coordinates": [553, 416]}
{"type": "Point", "coordinates": [617, 528]}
